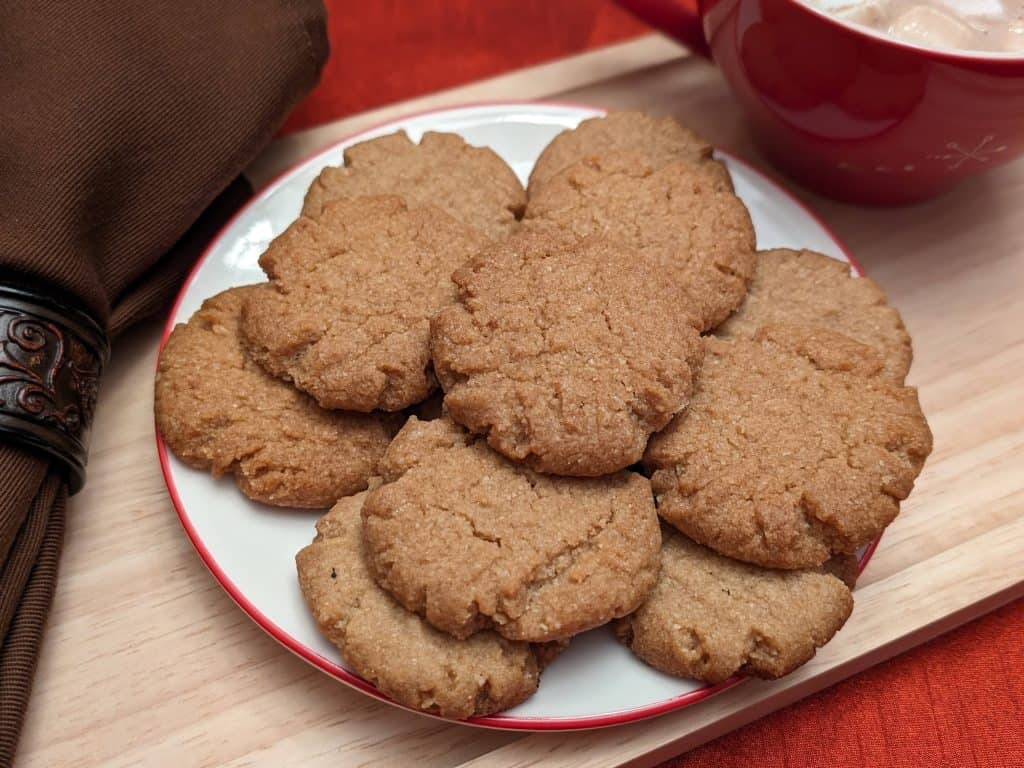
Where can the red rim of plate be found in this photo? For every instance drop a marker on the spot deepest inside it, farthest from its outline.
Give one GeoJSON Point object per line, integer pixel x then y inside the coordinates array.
{"type": "Point", "coordinates": [332, 668]}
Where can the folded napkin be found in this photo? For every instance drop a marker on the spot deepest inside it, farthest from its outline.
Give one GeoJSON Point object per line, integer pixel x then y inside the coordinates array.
{"type": "Point", "coordinates": [124, 127]}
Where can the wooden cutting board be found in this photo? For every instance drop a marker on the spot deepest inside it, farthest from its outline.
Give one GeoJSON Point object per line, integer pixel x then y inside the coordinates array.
{"type": "Point", "coordinates": [148, 662]}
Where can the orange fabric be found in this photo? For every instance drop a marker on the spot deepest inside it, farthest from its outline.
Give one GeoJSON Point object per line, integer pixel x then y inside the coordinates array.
{"type": "Point", "coordinates": [388, 50]}
{"type": "Point", "coordinates": [957, 702]}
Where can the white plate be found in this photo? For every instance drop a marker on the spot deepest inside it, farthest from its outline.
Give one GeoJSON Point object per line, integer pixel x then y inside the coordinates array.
{"type": "Point", "coordinates": [596, 682]}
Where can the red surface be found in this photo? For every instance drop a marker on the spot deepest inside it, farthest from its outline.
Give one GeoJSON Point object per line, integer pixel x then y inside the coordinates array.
{"type": "Point", "coordinates": [855, 116]}
{"type": "Point", "coordinates": [956, 702]}
{"type": "Point", "coordinates": [676, 18]}
{"type": "Point", "coordinates": [388, 50]}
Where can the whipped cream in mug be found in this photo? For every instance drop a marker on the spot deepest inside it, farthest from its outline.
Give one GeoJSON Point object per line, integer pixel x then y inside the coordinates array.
{"type": "Point", "coordinates": [976, 25]}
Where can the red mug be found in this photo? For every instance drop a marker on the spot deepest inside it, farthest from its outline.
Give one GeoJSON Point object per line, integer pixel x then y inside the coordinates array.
{"type": "Point", "coordinates": [847, 111]}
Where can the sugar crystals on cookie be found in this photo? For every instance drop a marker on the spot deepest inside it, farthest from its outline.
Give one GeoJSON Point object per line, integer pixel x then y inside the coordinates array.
{"type": "Point", "coordinates": [347, 317]}
{"type": "Point", "coordinates": [397, 651]}
{"type": "Point", "coordinates": [711, 617]}
{"type": "Point", "coordinates": [812, 289]}
{"type": "Point", "coordinates": [790, 451]}
{"type": "Point", "coordinates": [471, 184]}
{"type": "Point", "coordinates": [566, 354]}
{"type": "Point", "coordinates": [472, 541]}
{"type": "Point", "coordinates": [218, 410]}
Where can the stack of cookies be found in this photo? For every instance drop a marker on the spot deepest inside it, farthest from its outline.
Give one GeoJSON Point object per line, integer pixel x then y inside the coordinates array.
{"type": "Point", "coordinates": [645, 422]}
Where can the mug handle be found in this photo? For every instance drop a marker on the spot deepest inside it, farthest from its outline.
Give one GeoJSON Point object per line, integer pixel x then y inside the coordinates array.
{"type": "Point", "coordinates": [676, 18]}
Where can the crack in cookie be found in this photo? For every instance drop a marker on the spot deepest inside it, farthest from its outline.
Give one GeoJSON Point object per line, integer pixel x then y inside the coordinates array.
{"type": "Point", "coordinates": [471, 541]}
{"type": "Point", "coordinates": [397, 651]}
{"type": "Point", "coordinates": [353, 291]}
{"type": "Point", "coordinates": [658, 140]}
{"type": "Point", "coordinates": [566, 355]}
{"type": "Point", "coordinates": [710, 617]}
{"type": "Point", "coordinates": [781, 460]}
{"type": "Point", "coordinates": [682, 215]}
{"type": "Point", "coordinates": [218, 410]}
{"type": "Point", "coordinates": [807, 288]}
{"type": "Point", "coordinates": [472, 184]}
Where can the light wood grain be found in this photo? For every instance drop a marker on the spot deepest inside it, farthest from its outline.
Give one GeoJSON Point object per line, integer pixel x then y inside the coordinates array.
{"type": "Point", "coordinates": [148, 662]}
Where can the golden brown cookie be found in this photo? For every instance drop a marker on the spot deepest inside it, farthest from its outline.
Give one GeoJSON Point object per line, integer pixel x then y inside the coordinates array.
{"type": "Point", "coordinates": [781, 459]}
{"type": "Point", "coordinates": [218, 410]}
{"type": "Point", "coordinates": [710, 617]}
{"type": "Point", "coordinates": [348, 318]}
{"type": "Point", "coordinates": [472, 541]}
{"type": "Point", "coordinates": [397, 651]}
{"type": "Point", "coordinates": [804, 287]}
{"type": "Point", "coordinates": [683, 215]}
{"type": "Point", "coordinates": [659, 140]}
{"type": "Point", "coordinates": [472, 184]}
{"type": "Point", "coordinates": [566, 354]}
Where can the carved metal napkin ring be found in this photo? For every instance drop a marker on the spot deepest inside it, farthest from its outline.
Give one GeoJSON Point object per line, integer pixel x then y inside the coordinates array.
{"type": "Point", "coordinates": [51, 357]}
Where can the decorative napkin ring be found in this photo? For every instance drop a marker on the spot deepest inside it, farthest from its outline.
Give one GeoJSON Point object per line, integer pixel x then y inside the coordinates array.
{"type": "Point", "coordinates": [51, 356]}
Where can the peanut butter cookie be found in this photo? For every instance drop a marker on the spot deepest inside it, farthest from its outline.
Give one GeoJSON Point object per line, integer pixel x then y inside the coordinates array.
{"type": "Point", "coordinates": [566, 354]}
{"type": "Point", "coordinates": [218, 410]}
{"type": "Point", "coordinates": [470, 183]}
{"type": "Point", "coordinates": [659, 140]}
{"type": "Point", "coordinates": [682, 215]}
{"type": "Point", "coordinates": [397, 651]}
{"type": "Point", "coordinates": [472, 541]}
{"type": "Point", "coordinates": [710, 617]}
{"type": "Point", "coordinates": [348, 316]}
{"type": "Point", "coordinates": [804, 287]}
{"type": "Point", "coordinates": [787, 453]}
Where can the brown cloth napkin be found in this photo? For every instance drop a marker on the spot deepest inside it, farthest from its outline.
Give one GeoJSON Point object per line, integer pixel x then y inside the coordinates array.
{"type": "Point", "coordinates": [124, 127]}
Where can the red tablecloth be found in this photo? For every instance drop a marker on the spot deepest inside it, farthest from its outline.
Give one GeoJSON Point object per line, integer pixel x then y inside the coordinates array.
{"type": "Point", "coordinates": [955, 702]}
